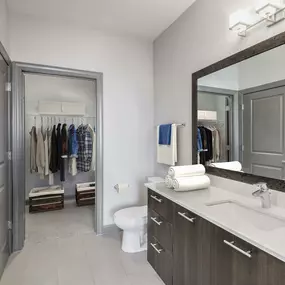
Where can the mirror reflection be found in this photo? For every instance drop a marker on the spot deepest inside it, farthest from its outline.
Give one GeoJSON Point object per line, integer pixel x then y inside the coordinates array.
{"type": "Point", "coordinates": [241, 116]}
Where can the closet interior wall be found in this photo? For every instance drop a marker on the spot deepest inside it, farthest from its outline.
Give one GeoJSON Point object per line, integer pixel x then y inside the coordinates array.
{"type": "Point", "coordinates": [57, 89]}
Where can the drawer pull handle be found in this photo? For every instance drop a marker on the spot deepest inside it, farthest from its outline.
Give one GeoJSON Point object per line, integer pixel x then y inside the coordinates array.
{"type": "Point", "coordinates": [155, 220]}
{"type": "Point", "coordinates": [232, 245]}
{"type": "Point", "coordinates": [155, 248]}
{"type": "Point", "coordinates": [156, 199]}
{"type": "Point", "coordinates": [192, 220]}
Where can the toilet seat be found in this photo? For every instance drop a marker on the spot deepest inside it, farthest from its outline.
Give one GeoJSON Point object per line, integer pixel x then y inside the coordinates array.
{"type": "Point", "coordinates": [132, 213]}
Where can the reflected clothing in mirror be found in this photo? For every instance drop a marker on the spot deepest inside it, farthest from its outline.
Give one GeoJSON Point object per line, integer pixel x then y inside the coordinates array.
{"type": "Point", "coordinates": [208, 144]}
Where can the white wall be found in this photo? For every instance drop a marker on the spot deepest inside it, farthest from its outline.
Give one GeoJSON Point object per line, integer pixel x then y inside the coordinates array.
{"type": "Point", "coordinates": [200, 37]}
{"type": "Point", "coordinates": [127, 65]}
{"type": "Point", "coordinates": [57, 89]}
{"type": "Point", "coordinates": [4, 33]}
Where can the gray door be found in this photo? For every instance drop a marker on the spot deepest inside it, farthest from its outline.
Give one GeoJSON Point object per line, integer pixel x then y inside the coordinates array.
{"type": "Point", "coordinates": [4, 248]}
{"type": "Point", "coordinates": [264, 133]}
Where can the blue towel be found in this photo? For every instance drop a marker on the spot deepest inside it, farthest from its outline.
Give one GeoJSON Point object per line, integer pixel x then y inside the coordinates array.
{"type": "Point", "coordinates": [199, 140]}
{"type": "Point", "coordinates": [165, 134]}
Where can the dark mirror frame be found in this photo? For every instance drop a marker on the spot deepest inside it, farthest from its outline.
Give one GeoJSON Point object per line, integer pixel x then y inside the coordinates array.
{"type": "Point", "coordinates": [257, 49]}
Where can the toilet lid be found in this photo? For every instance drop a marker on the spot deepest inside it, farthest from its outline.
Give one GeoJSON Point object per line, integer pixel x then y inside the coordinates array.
{"type": "Point", "coordinates": [132, 213]}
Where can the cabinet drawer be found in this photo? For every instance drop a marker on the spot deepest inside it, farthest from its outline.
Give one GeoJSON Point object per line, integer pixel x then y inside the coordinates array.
{"type": "Point", "coordinates": [160, 260]}
{"type": "Point", "coordinates": [160, 205]}
{"type": "Point", "coordinates": [160, 229]}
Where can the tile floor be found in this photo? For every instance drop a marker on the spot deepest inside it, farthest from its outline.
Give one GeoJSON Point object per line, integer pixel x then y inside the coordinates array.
{"type": "Point", "coordinates": [61, 249]}
{"type": "Point", "coordinates": [68, 222]}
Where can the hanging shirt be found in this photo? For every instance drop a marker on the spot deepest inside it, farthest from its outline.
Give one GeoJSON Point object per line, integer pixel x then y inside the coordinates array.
{"type": "Point", "coordinates": [59, 145]}
{"type": "Point", "coordinates": [45, 138]}
{"type": "Point", "coordinates": [72, 141]}
{"type": "Point", "coordinates": [85, 147]}
{"type": "Point", "coordinates": [50, 176]}
{"type": "Point", "coordinates": [40, 157]}
{"type": "Point", "coordinates": [33, 150]}
{"type": "Point", "coordinates": [64, 141]}
{"type": "Point", "coordinates": [93, 136]}
{"type": "Point", "coordinates": [53, 166]}
{"type": "Point", "coordinates": [218, 146]}
{"type": "Point", "coordinates": [209, 153]}
{"type": "Point", "coordinates": [199, 140]}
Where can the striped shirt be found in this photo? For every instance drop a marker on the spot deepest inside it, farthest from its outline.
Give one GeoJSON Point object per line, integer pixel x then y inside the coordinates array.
{"type": "Point", "coordinates": [85, 146]}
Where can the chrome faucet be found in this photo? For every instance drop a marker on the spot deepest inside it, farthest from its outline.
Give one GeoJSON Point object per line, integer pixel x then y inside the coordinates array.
{"type": "Point", "coordinates": [264, 193]}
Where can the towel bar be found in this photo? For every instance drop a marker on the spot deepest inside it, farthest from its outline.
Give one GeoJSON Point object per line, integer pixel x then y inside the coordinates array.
{"type": "Point", "coordinates": [178, 125]}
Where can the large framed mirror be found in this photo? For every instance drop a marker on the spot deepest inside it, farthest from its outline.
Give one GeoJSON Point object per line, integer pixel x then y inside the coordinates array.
{"type": "Point", "coordinates": [238, 115]}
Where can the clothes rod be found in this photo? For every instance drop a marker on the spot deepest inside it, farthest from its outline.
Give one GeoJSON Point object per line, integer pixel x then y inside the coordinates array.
{"type": "Point", "coordinates": [55, 116]}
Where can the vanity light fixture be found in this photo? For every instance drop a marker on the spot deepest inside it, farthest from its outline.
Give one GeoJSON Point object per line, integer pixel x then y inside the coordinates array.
{"type": "Point", "coordinates": [240, 28]}
{"type": "Point", "coordinates": [240, 21]}
{"type": "Point", "coordinates": [270, 11]}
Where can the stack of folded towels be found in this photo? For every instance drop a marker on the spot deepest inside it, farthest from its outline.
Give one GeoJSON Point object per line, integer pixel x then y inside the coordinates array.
{"type": "Point", "coordinates": [187, 178]}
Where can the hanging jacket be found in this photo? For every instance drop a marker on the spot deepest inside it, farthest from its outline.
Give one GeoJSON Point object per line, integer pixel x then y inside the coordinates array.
{"type": "Point", "coordinates": [72, 141]}
{"type": "Point", "coordinates": [53, 166]}
{"type": "Point", "coordinates": [33, 150]}
{"type": "Point", "coordinates": [64, 141]}
{"type": "Point", "coordinates": [59, 145]}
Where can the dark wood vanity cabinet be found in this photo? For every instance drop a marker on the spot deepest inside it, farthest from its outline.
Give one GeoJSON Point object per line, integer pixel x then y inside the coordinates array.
{"type": "Point", "coordinates": [185, 249]}
{"type": "Point", "coordinates": [160, 236]}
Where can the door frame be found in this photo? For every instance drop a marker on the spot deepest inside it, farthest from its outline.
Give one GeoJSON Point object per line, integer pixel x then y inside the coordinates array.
{"type": "Point", "coordinates": [230, 122]}
{"type": "Point", "coordinates": [7, 59]}
{"type": "Point", "coordinates": [18, 142]}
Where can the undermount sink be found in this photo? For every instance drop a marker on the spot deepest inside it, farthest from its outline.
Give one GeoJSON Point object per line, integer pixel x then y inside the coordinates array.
{"type": "Point", "coordinates": [240, 213]}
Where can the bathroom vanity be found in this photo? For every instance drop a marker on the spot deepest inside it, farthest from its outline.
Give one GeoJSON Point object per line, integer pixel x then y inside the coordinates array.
{"type": "Point", "coordinates": [214, 237]}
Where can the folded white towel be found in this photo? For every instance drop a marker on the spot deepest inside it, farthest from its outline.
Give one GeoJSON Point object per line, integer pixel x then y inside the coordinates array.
{"type": "Point", "coordinates": [187, 170]}
{"type": "Point", "coordinates": [168, 181]}
{"type": "Point", "coordinates": [191, 183]}
{"type": "Point", "coordinates": [233, 165]}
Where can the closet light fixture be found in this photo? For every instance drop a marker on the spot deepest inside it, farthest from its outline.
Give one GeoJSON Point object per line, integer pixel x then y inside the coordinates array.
{"type": "Point", "coordinates": [269, 11]}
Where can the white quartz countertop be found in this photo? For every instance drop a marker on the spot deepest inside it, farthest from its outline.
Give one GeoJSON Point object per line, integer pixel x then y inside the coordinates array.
{"type": "Point", "coordinates": [271, 241]}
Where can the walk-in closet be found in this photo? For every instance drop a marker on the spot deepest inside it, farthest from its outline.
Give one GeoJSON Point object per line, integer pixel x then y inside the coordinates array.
{"type": "Point", "coordinates": [60, 156]}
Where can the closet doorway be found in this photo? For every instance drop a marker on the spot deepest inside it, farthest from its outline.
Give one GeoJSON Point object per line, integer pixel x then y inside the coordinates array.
{"type": "Point", "coordinates": [57, 139]}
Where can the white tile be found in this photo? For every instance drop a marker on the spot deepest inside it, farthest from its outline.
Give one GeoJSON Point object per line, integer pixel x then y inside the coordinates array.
{"type": "Point", "coordinates": [62, 249]}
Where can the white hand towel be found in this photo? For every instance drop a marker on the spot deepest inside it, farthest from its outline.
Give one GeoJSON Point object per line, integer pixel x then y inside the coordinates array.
{"type": "Point", "coordinates": [233, 165]}
{"type": "Point", "coordinates": [187, 170]}
{"type": "Point", "coordinates": [167, 154]}
{"type": "Point", "coordinates": [191, 183]}
{"type": "Point", "coordinates": [168, 181]}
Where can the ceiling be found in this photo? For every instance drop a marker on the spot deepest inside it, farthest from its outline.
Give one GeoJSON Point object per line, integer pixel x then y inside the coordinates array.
{"type": "Point", "coordinates": [144, 18]}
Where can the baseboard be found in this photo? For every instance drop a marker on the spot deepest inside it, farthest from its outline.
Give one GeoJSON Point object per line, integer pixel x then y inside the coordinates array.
{"type": "Point", "coordinates": [4, 255]}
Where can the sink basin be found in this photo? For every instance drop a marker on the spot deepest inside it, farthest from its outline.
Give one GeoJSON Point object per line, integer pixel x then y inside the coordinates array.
{"type": "Point", "coordinates": [241, 214]}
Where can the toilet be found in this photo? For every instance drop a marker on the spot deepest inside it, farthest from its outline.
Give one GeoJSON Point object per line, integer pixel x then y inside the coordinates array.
{"type": "Point", "coordinates": [133, 222]}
